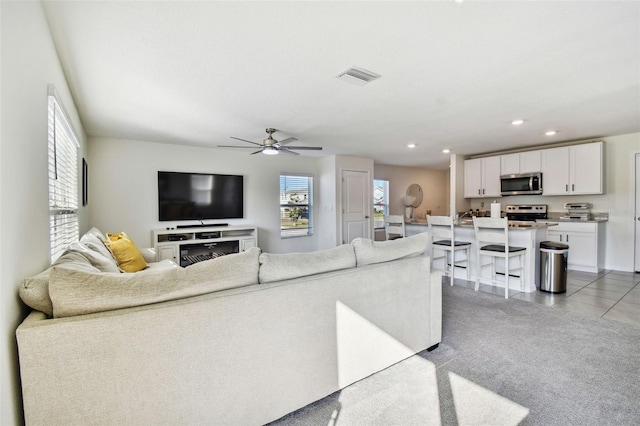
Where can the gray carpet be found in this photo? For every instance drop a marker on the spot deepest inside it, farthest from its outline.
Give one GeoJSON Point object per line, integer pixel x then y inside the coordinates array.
{"type": "Point", "coordinates": [501, 362]}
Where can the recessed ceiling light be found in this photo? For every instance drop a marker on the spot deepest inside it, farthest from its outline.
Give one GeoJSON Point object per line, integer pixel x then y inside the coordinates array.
{"type": "Point", "coordinates": [551, 133]}
{"type": "Point", "coordinates": [411, 145]}
{"type": "Point", "coordinates": [446, 151]}
{"type": "Point", "coordinates": [517, 122]}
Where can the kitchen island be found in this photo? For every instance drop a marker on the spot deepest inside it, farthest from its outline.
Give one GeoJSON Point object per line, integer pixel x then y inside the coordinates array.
{"type": "Point", "coordinates": [521, 234]}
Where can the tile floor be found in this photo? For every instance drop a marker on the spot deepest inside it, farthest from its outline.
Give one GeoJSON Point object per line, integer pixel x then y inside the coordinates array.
{"type": "Point", "coordinates": [613, 295]}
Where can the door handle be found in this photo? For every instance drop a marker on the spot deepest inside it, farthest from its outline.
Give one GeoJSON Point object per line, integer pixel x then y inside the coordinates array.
{"type": "Point", "coordinates": [366, 217]}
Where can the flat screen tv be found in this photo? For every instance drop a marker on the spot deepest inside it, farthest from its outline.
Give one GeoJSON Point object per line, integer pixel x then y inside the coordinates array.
{"type": "Point", "coordinates": [199, 196]}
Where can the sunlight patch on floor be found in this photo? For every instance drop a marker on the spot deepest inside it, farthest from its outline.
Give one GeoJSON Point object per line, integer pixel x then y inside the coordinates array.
{"type": "Point", "coordinates": [408, 391]}
{"type": "Point", "coordinates": [476, 405]}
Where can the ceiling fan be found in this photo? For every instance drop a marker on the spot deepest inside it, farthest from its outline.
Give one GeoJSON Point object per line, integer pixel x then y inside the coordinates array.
{"type": "Point", "coordinates": [270, 146]}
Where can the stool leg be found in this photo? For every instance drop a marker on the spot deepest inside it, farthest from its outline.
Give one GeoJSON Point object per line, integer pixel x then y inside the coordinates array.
{"type": "Point", "coordinates": [468, 254]}
{"type": "Point", "coordinates": [506, 277]}
{"type": "Point", "coordinates": [433, 253]}
{"type": "Point", "coordinates": [493, 271]}
{"type": "Point", "coordinates": [452, 270]}
{"type": "Point", "coordinates": [523, 273]}
{"type": "Point", "coordinates": [478, 270]}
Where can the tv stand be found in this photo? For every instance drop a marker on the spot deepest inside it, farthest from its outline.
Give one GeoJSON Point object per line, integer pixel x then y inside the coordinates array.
{"type": "Point", "coordinates": [187, 245]}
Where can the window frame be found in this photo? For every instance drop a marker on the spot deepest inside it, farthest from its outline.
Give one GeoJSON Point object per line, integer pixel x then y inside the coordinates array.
{"type": "Point", "coordinates": [62, 171]}
{"type": "Point", "coordinates": [296, 232]}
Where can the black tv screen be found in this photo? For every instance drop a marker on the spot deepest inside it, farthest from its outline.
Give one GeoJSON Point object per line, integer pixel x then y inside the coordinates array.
{"type": "Point", "coordinates": [199, 196]}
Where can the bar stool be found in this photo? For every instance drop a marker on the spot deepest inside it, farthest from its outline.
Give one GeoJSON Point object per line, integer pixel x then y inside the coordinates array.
{"type": "Point", "coordinates": [441, 233]}
{"type": "Point", "coordinates": [495, 232]}
{"type": "Point", "coordinates": [394, 226]}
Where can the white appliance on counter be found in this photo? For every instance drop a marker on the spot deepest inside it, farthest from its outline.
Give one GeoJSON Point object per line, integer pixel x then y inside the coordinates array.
{"type": "Point", "coordinates": [577, 211]}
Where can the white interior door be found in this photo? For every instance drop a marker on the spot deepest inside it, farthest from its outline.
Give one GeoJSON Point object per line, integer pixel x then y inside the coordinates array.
{"type": "Point", "coordinates": [356, 205]}
{"type": "Point", "coordinates": [637, 214]}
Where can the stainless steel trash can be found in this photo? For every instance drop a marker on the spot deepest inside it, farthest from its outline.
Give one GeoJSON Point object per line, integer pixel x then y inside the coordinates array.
{"type": "Point", "coordinates": [553, 266]}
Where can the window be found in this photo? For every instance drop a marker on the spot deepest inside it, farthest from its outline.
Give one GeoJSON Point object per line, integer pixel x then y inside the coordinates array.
{"type": "Point", "coordinates": [296, 205]}
{"type": "Point", "coordinates": [63, 178]}
{"type": "Point", "coordinates": [380, 202]}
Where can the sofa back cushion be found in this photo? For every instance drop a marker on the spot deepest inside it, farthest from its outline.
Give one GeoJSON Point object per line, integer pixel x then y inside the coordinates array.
{"type": "Point", "coordinates": [278, 267]}
{"type": "Point", "coordinates": [369, 251]}
{"type": "Point", "coordinates": [34, 291]}
{"type": "Point", "coordinates": [77, 292]}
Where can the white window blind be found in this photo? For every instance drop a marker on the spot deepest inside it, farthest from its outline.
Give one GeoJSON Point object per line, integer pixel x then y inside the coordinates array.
{"type": "Point", "coordinates": [63, 179]}
{"type": "Point", "coordinates": [296, 205]}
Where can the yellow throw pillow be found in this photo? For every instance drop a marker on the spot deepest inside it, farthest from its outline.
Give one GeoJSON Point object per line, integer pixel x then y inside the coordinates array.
{"type": "Point", "coordinates": [126, 253]}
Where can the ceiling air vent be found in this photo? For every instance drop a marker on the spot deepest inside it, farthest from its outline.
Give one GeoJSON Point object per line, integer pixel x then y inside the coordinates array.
{"type": "Point", "coordinates": [359, 76]}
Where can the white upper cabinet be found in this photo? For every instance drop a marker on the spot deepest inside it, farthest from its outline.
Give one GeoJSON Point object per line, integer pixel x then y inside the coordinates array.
{"type": "Point", "coordinates": [572, 170]}
{"type": "Point", "coordinates": [586, 169]}
{"type": "Point", "coordinates": [482, 177]}
{"type": "Point", "coordinates": [510, 164]}
{"type": "Point", "coordinates": [521, 162]}
{"type": "Point", "coordinates": [530, 162]}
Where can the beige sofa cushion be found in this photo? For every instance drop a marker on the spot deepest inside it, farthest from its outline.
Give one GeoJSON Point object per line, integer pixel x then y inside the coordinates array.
{"type": "Point", "coordinates": [278, 267]}
{"type": "Point", "coordinates": [34, 291]}
{"type": "Point", "coordinates": [369, 251]}
{"type": "Point", "coordinates": [78, 292]}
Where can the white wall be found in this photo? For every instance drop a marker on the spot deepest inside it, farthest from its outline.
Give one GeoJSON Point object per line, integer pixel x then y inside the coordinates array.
{"type": "Point", "coordinates": [29, 63]}
{"type": "Point", "coordinates": [123, 188]}
{"type": "Point", "coordinates": [434, 184]}
{"type": "Point", "coordinates": [328, 218]}
{"type": "Point", "coordinates": [618, 200]}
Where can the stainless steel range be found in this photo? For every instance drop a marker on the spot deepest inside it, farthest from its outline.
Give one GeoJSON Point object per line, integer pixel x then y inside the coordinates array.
{"type": "Point", "coordinates": [526, 212]}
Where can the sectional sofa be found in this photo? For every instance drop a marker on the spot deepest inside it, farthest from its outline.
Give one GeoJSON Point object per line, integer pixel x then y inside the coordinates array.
{"type": "Point", "coordinates": [241, 339]}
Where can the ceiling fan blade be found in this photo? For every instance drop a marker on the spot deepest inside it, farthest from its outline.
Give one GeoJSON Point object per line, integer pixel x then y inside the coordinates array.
{"type": "Point", "coordinates": [257, 152]}
{"type": "Point", "coordinates": [286, 141]}
{"type": "Point", "coordinates": [315, 148]}
{"type": "Point", "coordinates": [236, 146]}
{"type": "Point", "coordinates": [286, 151]}
{"type": "Point", "coordinates": [244, 140]}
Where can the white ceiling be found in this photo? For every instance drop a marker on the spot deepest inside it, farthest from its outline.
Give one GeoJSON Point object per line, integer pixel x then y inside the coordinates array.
{"type": "Point", "coordinates": [454, 75]}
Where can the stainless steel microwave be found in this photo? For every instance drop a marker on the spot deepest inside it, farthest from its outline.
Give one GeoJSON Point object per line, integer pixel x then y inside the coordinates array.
{"type": "Point", "coordinates": [521, 184]}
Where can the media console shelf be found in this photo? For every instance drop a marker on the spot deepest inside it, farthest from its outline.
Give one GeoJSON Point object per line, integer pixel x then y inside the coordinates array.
{"type": "Point", "coordinates": [186, 246]}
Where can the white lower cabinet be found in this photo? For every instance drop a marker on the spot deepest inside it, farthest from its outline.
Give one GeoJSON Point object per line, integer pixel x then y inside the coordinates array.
{"type": "Point", "coordinates": [585, 241]}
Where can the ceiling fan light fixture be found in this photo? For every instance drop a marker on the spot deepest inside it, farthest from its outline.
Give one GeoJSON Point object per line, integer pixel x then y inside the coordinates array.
{"type": "Point", "coordinates": [270, 150]}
